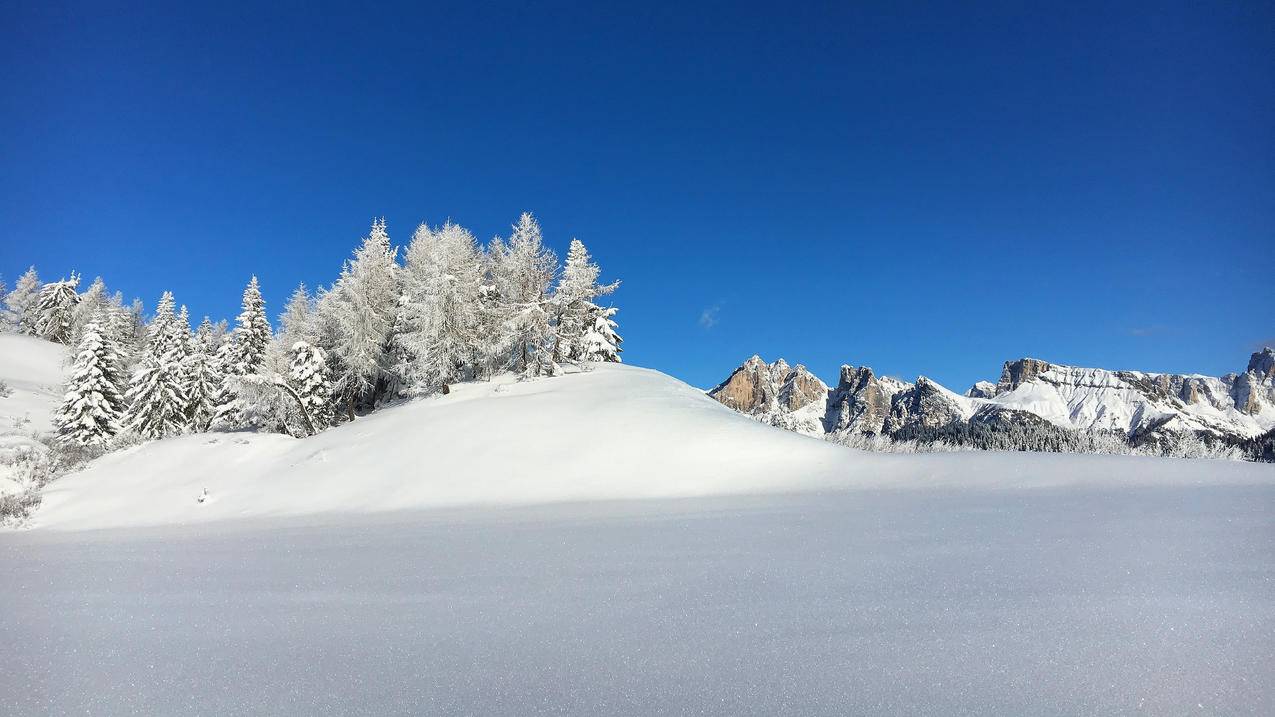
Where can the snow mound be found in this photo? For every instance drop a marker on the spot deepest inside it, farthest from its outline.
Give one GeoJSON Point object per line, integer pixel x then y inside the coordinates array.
{"type": "Point", "coordinates": [34, 370]}
{"type": "Point", "coordinates": [617, 432]}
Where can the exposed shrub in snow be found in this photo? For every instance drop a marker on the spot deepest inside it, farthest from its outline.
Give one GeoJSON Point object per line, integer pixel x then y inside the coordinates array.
{"type": "Point", "coordinates": [5, 390]}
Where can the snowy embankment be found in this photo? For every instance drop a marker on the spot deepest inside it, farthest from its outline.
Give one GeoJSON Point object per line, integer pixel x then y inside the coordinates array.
{"type": "Point", "coordinates": [617, 432]}
{"type": "Point", "coordinates": [33, 369]}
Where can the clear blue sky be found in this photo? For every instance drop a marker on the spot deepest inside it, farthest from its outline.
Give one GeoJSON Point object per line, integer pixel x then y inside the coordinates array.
{"type": "Point", "coordinates": [922, 188]}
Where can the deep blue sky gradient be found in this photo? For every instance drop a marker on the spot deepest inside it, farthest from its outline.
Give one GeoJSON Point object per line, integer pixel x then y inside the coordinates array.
{"type": "Point", "coordinates": [923, 188]}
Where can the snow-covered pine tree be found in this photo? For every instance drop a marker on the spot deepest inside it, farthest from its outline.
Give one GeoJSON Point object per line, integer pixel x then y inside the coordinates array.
{"type": "Point", "coordinates": [20, 304]}
{"type": "Point", "coordinates": [576, 313]}
{"type": "Point", "coordinates": [522, 276]}
{"type": "Point", "coordinates": [201, 377]}
{"type": "Point", "coordinates": [55, 307]}
{"type": "Point", "coordinates": [244, 354]}
{"type": "Point", "coordinates": [362, 306]}
{"type": "Point", "coordinates": [92, 305]}
{"type": "Point", "coordinates": [156, 395]}
{"type": "Point", "coordinates": [440, 335]}
{"type": "Point", "coordinates": [92, 406]}
{"type": "Point", "coordinates": [602, 343]}
{"type": "Point", "coordinates": [311, 378]}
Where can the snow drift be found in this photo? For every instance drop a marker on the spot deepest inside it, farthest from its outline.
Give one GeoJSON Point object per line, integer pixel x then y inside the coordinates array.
{"type": "Point", "coordinates": [33, 369]}
{"type": "Point", "coordinates": [617, 432]}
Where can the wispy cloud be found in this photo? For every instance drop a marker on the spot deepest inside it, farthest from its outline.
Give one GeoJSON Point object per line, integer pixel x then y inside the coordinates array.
{"type": "Point", "coordinates": [708, 317]}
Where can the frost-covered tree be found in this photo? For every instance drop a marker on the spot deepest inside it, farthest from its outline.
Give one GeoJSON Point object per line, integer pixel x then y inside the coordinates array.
{"type": "Point", "coordinates": [156, 395]}
{"type": "Point", "coordinates": [201, 377]}
{"type": "Point", "coordinates": [251, 336]}
{"type": "Point", "coordinates": [92, 305]}
{"type": "Point", "coordinates": [296, 319]}
{"type": "Point", "coordinates": [582, 331]}
{"type": "Point", "coordinates": [361, 308]}
{"type": "Point", "coordinates": [601, 342]}
{"type": "Point", "coordinates": [55, 308]}
{"type": "Point", "coordinates": [20, 304]}
{"type": "Point", "coordinates": [522, 273]}
{"type": "Point", "coordinates": [244, 354]}
{"type": "Point", "coordinates": [311, 379]}
{"type": "Point", "coordinates": [92, 406]}
{"type": "Point", "coordinates": [439, 337]}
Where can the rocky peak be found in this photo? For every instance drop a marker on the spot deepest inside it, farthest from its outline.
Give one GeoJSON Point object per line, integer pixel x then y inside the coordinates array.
{"type": "Point", "coordinates": [1016, 373]}
{"type": "Point", "coordinates": [982, 389]}
{"type": "Point", "coordinates": [775, 393]}
{"type": "Point", "coordinates": [1262, 364]}
{"type": "Point", "coordinates": [924, 405]}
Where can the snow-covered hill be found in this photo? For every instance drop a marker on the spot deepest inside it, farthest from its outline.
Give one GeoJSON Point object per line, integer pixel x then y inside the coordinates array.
{"type": "Point", "coordinates": [33, 369]}
{"type": "Point", "coordinates": [616, 432]}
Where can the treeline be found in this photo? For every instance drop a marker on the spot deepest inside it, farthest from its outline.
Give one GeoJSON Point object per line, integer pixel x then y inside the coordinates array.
{"type": "Point", "coordinates": [451, 310]}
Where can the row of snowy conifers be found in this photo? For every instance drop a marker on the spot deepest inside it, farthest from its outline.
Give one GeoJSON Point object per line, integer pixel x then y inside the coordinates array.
{"type": "Point", "coordinates": [452, 311]}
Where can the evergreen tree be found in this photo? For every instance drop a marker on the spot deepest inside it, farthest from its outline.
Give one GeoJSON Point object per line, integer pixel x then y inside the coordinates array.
{"type": "Point", "coordinates": [362, 307]}
{"type": "Point", "coordinates": [20, 304]}
{"type": "Point", "coordinates": [602, 343]}
{"type": "Point", "coordinates": [243, 355]}
{"type": "Point", "coordinates": [201, 378]}
{"type": "Point", "coordinates": [156, 396]}
{"type": "Point", "coordinates": [577, 328]}
{"type": "Point", "coordinates": [91, 408]}
{"type": "Point", "coordinates": [54, 309]}
{"type": "Point", "coordinates": [311, 379]}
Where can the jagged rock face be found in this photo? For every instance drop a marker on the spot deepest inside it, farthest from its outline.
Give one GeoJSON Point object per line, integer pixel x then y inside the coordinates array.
{"type": "Point", "coordinates": [785, 396]}
{"type": "Point", "coordinates": [924, 405]}
{"type": "Point", "coordinates": [861, 402]}
{"type": "Point", "coordinates": [1016, 373]}
{"type": "Point", "coordinates": [1262, 365]}
{"type": "Point", "coordinates": [1136, 404]}
{"type": "Point", "coordinates": [982, 389]}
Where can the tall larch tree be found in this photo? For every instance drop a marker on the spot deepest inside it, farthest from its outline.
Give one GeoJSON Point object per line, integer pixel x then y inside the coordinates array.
{"type": "Point", "coordinates": [362, 307]}
{"type": "Point", "coordinates": [573, 301]}
{"type": "Point", "coordinates": [522, 276]}
{"type": "Point", "coordinates": [20, 304]}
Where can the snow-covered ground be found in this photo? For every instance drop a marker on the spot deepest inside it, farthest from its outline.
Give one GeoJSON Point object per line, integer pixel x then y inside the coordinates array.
{"type": "Point", "coordinates": [617, 542]}
{"type": "Point", "coordinates": [34, 370]}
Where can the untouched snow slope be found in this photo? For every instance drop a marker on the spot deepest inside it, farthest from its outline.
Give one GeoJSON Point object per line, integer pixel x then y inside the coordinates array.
{"type": "Point", "coordinates": [617, 432]}
{"type": "Point", "coordinates": [1080, 600]}
{"type": "Point", "coordinates": [34, 370]}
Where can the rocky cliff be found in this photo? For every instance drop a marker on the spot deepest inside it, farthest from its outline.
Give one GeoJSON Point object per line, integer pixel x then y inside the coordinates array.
{"type": "Point", "coordinates": [1030, 392]}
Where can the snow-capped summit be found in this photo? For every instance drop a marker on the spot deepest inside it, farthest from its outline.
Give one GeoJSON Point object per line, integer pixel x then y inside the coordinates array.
{"type": "Point", "coordinates": [1139, 405]}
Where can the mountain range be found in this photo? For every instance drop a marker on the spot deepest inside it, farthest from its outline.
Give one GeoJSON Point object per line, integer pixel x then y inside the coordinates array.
{"type": "Point", "coordinates": [1142, 407]}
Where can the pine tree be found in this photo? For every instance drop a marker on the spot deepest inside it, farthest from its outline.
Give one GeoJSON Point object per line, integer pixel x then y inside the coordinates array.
{"type": "Point", "coordinates": [243, 355]}
{"type": "Point", "coordinates": [362, 307]}
{"type": "Point", "coordinates": [311, 378]}
{"type": "Point", "coordinates": [441, 320]}
{"type": "Point", "coordinates": [54, 309]}
{"type": "Point", "coordinates": [602, 343]}
{"type": "Point", "coordinates": [201, 378]}
{"type": "Point", "coordinates": [156, 396]}
{"type": "Point", "coordinates": [20, 304]}
{"type": "Point", "coordinates": [91, 408]}
{"type": "Point", "coordinates": [577, 323]}
{"type": "Point", "coordinates": [522, 274]}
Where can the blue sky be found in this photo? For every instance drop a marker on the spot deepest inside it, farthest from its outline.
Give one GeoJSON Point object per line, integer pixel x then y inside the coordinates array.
{"type": "Point", "coordinates": [923, 188]}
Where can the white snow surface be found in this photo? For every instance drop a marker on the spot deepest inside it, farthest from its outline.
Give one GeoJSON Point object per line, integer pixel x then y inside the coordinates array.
{"type": "Point", "coordinates": [617, 432]}
{"type": "Point", "coordinates": [34, 370]}
{"type": "Point", "coordinates": [615, 542]}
